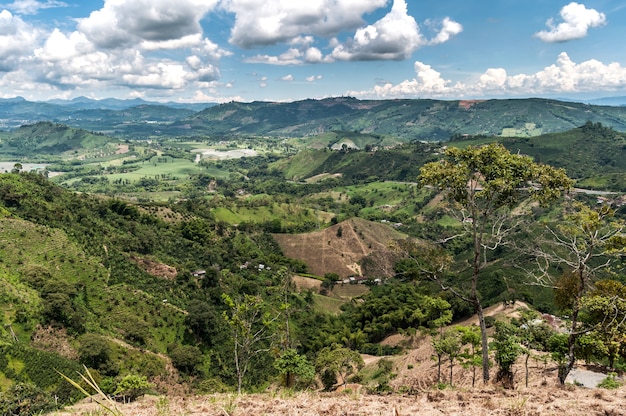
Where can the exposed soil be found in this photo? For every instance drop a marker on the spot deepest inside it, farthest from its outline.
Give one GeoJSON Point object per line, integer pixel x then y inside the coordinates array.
{"type": "Point", "coordinates": [482, 401]}
{"type": "Point", "coordinates": [155, 268]}
{"type": "Point", "coordinates": [342, 248]}
{"type": "Point", "coordinates": [414, 392]}
{"type": "Point", "coordinates": [467, 104]}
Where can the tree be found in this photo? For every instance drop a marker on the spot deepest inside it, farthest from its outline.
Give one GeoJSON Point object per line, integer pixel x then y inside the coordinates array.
{"type": "Point", "coordinates": [291, 365]}
{"type": "Point", "coordinates": [95, 351]}
{"type": "Point", "coordinates": [483, 184]}
{"type": "Point", "coordinates": [605, 307]}
{"type": "Point", "coordinates": [447, 344]}
{"type": "Point", "coordinates": [251, 331]}
{"type": "Point", "coordinates": [185, 358]}
{"type": "Point", "coordinates": [508, 349]}
{"type": "Point", "coordinates": [584, 244]}
{"type": "Point", "coordinates": [533, 334]}
{"type": "Point", "coordinates": [338, 361]}
{"type": "Point", "coordinates": [470, 335]}
{"type": "Point", "coordinates": [132, 386]}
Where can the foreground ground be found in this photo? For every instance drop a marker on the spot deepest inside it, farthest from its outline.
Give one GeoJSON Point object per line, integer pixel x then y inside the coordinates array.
{"type": "Point", "coordinates": [415, 371]}
{"type": "Point", "coordinates": [548, 400]}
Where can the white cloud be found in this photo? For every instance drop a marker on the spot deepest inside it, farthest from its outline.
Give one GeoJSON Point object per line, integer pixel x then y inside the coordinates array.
{"type": "Point", "coordinates": [261, 23]}
{"type": "Point", "coordinates": [113, 47]}
{"type": "Point", "coordinates": [161, 75]}
{"type": "Point", "coordinates": [33, 6]}
{"type": "Point", "coordinates": [449, 28]}
{"type": "Point", "coordinates": [313, 78]}
{"type": "Point", "coordinates": [17, 40]}
{"type": "Point", "coordinates": [394, 37]}
{"type": "Point", "coordinates": [121, 23]}
{"type": "Point", "coordinates": [287, 78]}
{"type": "Point", "coordinates": [210, 50]}
{"type": "Point", "coordinates": [291, 57]}
{"type": "Point", "coordinates": [60, 47]}
{"type": "Point", "coordinates": [577, 20]}
{"type": "Point", "coordinates": [565, 76]}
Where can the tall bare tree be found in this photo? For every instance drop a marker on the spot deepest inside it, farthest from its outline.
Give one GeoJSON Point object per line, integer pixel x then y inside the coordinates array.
{"type": "Point", "coordinates": [583, 244]}
{"type": "Point", "coordinates": [483, 185]}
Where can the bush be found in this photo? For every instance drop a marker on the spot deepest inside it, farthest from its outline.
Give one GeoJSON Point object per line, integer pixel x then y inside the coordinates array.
{"type": "Point", "coordinates": [26, 399]}
{"type": "Point", "coordinates": [609, 382]}
{"type": "Point", "coordinates": [186, 358]}
{"type": "Point", "coordinates": [132, 386]}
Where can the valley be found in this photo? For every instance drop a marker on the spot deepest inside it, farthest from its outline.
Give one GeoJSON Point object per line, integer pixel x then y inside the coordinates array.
{"type": "Point", "coordinates": [313, 252]}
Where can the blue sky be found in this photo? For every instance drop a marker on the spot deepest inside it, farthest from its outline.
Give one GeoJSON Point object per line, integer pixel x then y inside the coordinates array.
{"type": "Point", "coordinates": [282, 50]}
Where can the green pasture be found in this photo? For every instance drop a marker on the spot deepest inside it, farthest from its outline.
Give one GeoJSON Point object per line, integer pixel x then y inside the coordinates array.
{"type": "Point", "coordinates": [171, 168]}
{"type": "Point", "coordinates": [289, 213]}
{"type": "Point", "coordinates": [327, 304]}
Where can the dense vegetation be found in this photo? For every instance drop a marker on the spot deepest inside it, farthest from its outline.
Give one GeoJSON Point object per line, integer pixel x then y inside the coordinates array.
{"type": "Point", "coordinates": [143, 254]}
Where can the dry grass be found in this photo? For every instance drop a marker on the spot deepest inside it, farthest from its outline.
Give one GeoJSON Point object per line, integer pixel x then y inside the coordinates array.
{"type": "Point", "coordinates": [414, 394]}
{"type": "Point", "coordinates": [472, 402]}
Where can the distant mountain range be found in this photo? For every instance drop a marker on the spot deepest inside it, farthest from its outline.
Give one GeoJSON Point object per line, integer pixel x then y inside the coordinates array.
{"type": "Point", "coordinates": [619, 101]}
{"type": "Point", "coordinates": [84, 103]}
{"type": "Point", "coordinates": [405, 120]}
{"type": "Point", "coordinates": [88, 113]}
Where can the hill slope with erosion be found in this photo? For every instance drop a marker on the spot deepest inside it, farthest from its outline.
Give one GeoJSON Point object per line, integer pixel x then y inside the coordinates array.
{"type": "Point", "coordinates": [354, 247]}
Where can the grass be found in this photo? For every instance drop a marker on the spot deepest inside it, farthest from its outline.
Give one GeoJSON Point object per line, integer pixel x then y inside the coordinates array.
{"type": "Point", "coordinates": [327, 304]}
{"type": "Point", "coordinates": [288, 213]}
{"type": "Point", "coordinates": [103, 400]}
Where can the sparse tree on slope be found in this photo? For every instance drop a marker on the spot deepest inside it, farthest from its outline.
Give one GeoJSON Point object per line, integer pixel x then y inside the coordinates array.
{"type": "Point", "coordinates": [483, 184]}
{"type": "Point", "coordinates": [584, 244]}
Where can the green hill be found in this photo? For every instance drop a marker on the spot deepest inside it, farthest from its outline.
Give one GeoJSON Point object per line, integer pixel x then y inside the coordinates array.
{"type": "Point", "coordinates": [593, 154]}
{"type": "Point", "coordinates": [49, 139]}
{"type": "Point", "coordinates": [432, 120]}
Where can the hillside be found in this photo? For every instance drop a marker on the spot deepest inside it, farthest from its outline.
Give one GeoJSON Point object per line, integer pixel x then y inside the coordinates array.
{"type": "Point", "coordinates": [592, 153]}
{"type": "Point", "coordinates": [343, 248]}
{"type": "Point", "coordinates": [407, 120]}
{"type": "Point", "coordinates": [45, 140]}
{"type": "Point", "coordinates": [415, 372]}
{"type": "Point", "coordinates": [383, 121]}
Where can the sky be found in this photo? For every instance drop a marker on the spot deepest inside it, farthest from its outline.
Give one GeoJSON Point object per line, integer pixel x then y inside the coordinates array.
{"type": "Point", "coordinates": [286, 50]}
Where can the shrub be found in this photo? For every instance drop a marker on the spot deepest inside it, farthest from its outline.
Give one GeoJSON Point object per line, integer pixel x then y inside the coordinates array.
{"type": "Point", "coordinates": [26, 399]}
{"type": "Point", "coordinates": [609, 382]}
{"type": "Point", "coordinates": [132, 386]}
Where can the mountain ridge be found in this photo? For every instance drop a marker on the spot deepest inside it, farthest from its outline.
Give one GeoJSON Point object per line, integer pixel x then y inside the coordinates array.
{"type": "Point", "coordinates": [403, 119]}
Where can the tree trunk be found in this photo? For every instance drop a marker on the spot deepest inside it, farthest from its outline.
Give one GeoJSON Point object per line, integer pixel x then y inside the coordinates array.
{"type": "Point", "coordinates": [565, 369]}
{"type": "Point", "coordinates": [476, 264]}
{"type": "Point", "coordinates": [526, 364]}
{"type": "Point", "coordinates": [438, 368]}
{"type": "Point", "coordinates": [483, 339]}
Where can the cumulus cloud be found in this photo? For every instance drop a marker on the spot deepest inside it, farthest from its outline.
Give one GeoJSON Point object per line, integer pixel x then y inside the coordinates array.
{"type": "Point", "coordinates": [577, 20]}
{"type": "Point", "coordinates": [313, 78]}
{"type": "Point", "coordinates": [287, 78]}
{"type": "Point", "coordinates": [565, 76]}
{"type": "Point", "coordinates": [449, 28]}
{"type": "Point", "coordinates": [17, 40]}
{"type": "Point", "coordinates": [394, 37]}
{"type": "Point", "coordinates": [115, 45]}
{"type": "Point", "coordinates": [121, 23]}
{"type": "Point", "coordinates": [33, 6]}
{"type": "Point", "coordinates": [262, 23]}
{"type": "Point", "coordinates": [160, 75]}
